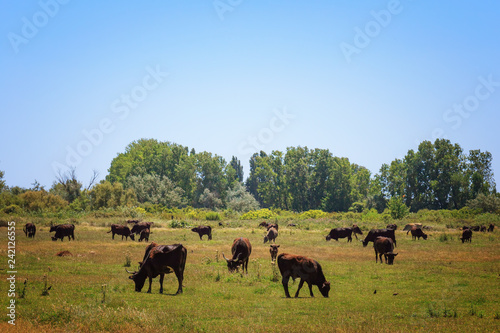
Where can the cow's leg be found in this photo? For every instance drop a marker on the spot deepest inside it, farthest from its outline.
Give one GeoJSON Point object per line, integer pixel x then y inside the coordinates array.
{"type": "Point", "coordinates": [376, 256]}
{"type": "Point", "coordinates": [301, 283]}
{"type": "Point", "coordinates": [349, 239]}
{"type": "Point", "coordinates": [179, 274]}
{"type": "Point", "coordinates": [161, 282]}
{"type": "Point", "coordinates": [150, 282]}
{"type": "Point", "coordinates": [284, 282]}
{"type": "Point", "coordinates": [310, 289]}
{"type": "Point", "coordinates": [380, 256]}
{"type": "Point", "coordinates": [113, 236]}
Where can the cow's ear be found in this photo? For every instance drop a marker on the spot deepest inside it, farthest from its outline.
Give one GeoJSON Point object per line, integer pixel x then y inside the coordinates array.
{"type": "Point", "coordinates": [395, 254]}
{"type": "Point", "coordinates": [277, 246]}
{"type": "Point", "coordinates": [140, 263]}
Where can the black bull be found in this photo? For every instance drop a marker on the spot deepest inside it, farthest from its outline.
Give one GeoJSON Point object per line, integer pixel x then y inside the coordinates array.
{"type": "Point", "coordinates": [343, 233]}
{"type": "Point", "coordinates": [374, 233]}
{"type": "Point", "coordinates": [161, 260]}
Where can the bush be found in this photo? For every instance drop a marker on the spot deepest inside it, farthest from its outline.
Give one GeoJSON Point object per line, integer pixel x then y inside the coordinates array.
{"type": "Point", "coordinates": [258, 214]}
{"type": "Point", "coordinates": [212, 216]}
{"type": "Point", "coordinates": [13, 210]}
{"type": "Point", "coordinates": [313, 214]}
{"type": "Point", "coordinates": [178, 224]}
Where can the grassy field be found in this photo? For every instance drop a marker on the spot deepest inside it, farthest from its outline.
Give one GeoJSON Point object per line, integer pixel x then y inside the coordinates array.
{"type": "Point", "coordinates": [435, 285]}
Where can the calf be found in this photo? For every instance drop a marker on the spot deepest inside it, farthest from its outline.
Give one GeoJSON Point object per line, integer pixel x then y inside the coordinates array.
{"type": "Point", "coordinates": [384, 246]}
{"type": "Point", "coordinates": [273, 249]}
{"type": "Point", "coordinates": [308, 270]}
{"type": "Point", "coordinates": [203, 230]}
{"type": "Point", "coordinates": [466, 236]}
{"type": "Point", "coordinates": [417, 233]}
{"type": "Point", "coordinates": [121, 230]}
{"type": "Point", "coordinates": [144, 235]}
{"type": "Point", "coordinates": [63, 230]}
{"type": "Point", "coordinates": [29, 230]}
{"type": "Point", "coordinates": [271, 235]}
{"type": "Point", "coordinates": [241, 250]}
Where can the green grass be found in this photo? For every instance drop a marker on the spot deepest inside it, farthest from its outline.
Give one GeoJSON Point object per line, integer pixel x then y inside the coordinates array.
{"type": "Point", "coordinates": [435, 285]}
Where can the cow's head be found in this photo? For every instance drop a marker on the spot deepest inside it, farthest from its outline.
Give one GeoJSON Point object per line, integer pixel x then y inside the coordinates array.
{"type": "Point", "coordinates": [325, 289]}
{"type": "Point", "coordinates": [424, 236]}
{"type": "Point", "coordinates": [138, 280]}
{"type": "Point", "coordinates": [390, 258]}
{"type": "Point", "coordinates": [273, 249]}
{"type": "Point", "coordinates": [356, 230]}
{"type": "Point", "coordinates": [195, 229]}
{"type": "Point", "coordinates": [132, 236]}
{"type": "Point", "coordinates": [232, 264]}
{"type": "Point", "coordinates": [328, 237]}
{"type": "Point", "coordinates": [54, 239]}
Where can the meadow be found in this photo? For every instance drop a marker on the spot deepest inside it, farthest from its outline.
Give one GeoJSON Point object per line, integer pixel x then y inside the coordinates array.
{"type": "Point", "coordinates": [437, 284]}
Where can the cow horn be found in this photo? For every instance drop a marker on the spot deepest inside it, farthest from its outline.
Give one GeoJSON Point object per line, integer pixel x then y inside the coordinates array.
{"type": "Point", "coordinates": [225, 257]}
{"type": "Point", "coordinates": [130, 272]}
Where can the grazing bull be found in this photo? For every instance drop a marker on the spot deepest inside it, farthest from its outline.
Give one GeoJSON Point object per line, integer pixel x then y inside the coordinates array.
{"type": "Point", "coordinates": [410, 225]}
{"type": "Point", "coordinates": [273, 249]}
{"type": "Point", "coordinates": [144, 235]}
{"type": "Point", "coordinates": [160, 260]}
{"type": "Point", "coordinates": [121, 230]}
{"type": "Point", "coordinates": [384, 246]}
{"type": "Point", "coordinates": [271, 235]}
{"type": "Point", "coordinates": [241, 250]}
{"type": "Point", "coordinates": [308, 270]}
{"type": "Point", "coordinates": [491, 227]}
{"type": "Point", "coordinates": [203, 230]}
{"type": "Point", "coordinates": [374, 233]}
{"type": "Point", "coordinates": [29, 230]}
{"type": "Point", "coordinates": [138, 227]}
{"type": "Point", "coordinates": [392, 226]}
{"type": "Point", "coordinates": [466, 236]}
{"type": "Point", "coordinates": [417, 233]}
{"type": "Point", "coordinates": [344, 232]}
{"type": "Point", "coordinates": [63, 230]}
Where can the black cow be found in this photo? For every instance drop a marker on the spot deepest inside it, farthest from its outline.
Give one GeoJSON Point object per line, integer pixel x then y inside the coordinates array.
{"type": "Point", "coordinates": [273, 249]}
{"type": "Point", "coordinates": [343, 233]}
{"type": "Point", "coordinates": [384, 246]}
{"type": "Point", "coordinates": [417, 233]}
{"type": "Point", "coordinates": [466, 236]}
{"type": "Point", "coordinates": [121, 230]}
{"type": "Point", "coordinates": [63, 230]}
{"type": "Point", "coordinates": [203, 230]}
{"type": "Point", "coordinates": [271, 235]}
{"type": "Point", "coordinates": [138, 227]}
{"type": "Point", "coordinates": [374, 233]}
{"type": "Point", "coordinates": [241, 250]}
{"type": "Point", "coordinates": [491, 227]}
{"type": "Point", "coordinates": [308, 270]}
{"type": "Point", "coordinates": [392, 226]}
{"type": "Point", "coordinates": [161, 260]}
{"type": "Point", "coordinates": [29, 230]}
{"type": "Point", "coordinates": [144, 235]}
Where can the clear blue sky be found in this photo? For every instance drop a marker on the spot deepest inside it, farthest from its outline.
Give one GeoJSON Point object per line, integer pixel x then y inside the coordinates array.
{"type": "Point", "coordinates": [367, 80]}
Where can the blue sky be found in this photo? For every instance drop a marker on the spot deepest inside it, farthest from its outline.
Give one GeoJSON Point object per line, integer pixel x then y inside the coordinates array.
{"type": "Point", "coordinates": [367, 80]}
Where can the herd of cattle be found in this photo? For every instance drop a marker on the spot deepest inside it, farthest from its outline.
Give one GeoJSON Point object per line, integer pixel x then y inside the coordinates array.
{"type": "Point", "coordinates": [159, 259]}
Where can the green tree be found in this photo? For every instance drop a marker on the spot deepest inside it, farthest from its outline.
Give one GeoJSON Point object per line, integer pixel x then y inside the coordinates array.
{"type": "Point", "coordinates": [240, 200]}
{"type": "Point", "coordinates": [156, 190]}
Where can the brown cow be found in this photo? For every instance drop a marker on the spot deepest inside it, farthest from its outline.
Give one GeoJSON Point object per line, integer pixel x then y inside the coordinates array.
{"type": "Point", "coordinates": [121, 230]}
{"type": "Point", "coordinates": [308, 270]}
{"type": "Point", "coordinates": [337, 233]}
{"type": "Point", "coordinates": [29, 230]}
{"type": "Point", "coordinates": [410, 225]}
{"type": "Point", "coordinates": [417, 233]}
{"type": "Point", "coordinates": [271, 235]}
{"type": "Point", "coordinates": [241, 250]}
{"type": "Point", "coordinates": [374, 233]}
{"type": "Point", "coordinates": [384, 246]}
{"type": "Point", "coordinates": [491, 227]}
{"type": "Point", "coordinates": [138, 227]}
{"type": "Point", "coordinates": [273, 249]}
{"type": "Point", "coordinates": [63, 230]}
{"type": "Point", "coordinates": [144, 235]}
{"type": "Point", "coordinates": [268, 225]}
{"type": "Point", "coordinates": [160, 260]}
{"type": "Point", "coordinates": [203, 230]}
{"type": "Point", "coordinates": [466, 236]}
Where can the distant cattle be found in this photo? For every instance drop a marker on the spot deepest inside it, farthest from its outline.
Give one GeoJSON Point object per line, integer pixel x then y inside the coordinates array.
{"type": "Point", "coordinates": [483, 228]}
{"type": "Point", "coordinates": [410, 225]}
{"type": "Point", "coordinates": [308, 270]}
{"type": "Point", "coordinates": [416, 233]}
{"type": "Point", "coordinates": [271, 235]}
{"type": "Point", "coordinates": [29, 230]}
{"type": "Point", "coordinates": [374, 233]}
{"type": "Point", "coordinates": [241, 250]}
{"type": "Point", "coordinates": [121, 230]}
{"type": "Point", "coordinates": [491, 227]}
{"type": "Point", "coordinates": [160, 260]}
{"type": "Point", "coordinates": [144, 235]}
{"type": "Point", "coordinates": [63, 230]}
{"type": "Point", "coordinates": [466, 236]}
{"type": "Point", "coordinates": [384, 246]}
{"type": "Point", "coordinates": [273, 249]}
{"type": "Point", "coordinates": [268, 225]}
{"type": "Point", "coordinates": [337, 233]}
{"type": "Point", "coordinates": [392, 226]}
{"type": "Point", "coordinates": [133, 221]}
{"type": "Point", "coordinates": [138, 227]}
{"type": "Point", "coordinates": [203, 230]}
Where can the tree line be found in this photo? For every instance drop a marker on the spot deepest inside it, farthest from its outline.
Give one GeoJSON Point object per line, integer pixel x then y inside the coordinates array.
{"type": "Point", "coordinates": [438, 175]}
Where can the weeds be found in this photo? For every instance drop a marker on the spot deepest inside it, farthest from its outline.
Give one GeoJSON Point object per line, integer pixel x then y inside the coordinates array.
{"type": "Point", "coordinates": [45, 291]}
{"type": "Point", "coordinates": [128, 259]}
{"type": "Point", "coordinates": [103, 290]}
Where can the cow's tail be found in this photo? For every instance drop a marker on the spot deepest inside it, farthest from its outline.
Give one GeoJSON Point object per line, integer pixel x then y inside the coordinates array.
{"type": "Point", "coordinates": [109, 231]}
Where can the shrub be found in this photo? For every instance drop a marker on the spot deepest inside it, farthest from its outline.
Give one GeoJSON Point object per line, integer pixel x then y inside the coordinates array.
{"type": "Point", "coordinates": [258, 214]}
{"type": "Point", "coordinates": [313, 214]}
{"type": "Point", "coordinates": [13, 210]}
{"type": "Point", "coordinates": [212, 216]}
{"type": "Point", "coordinates": [178, 224]}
